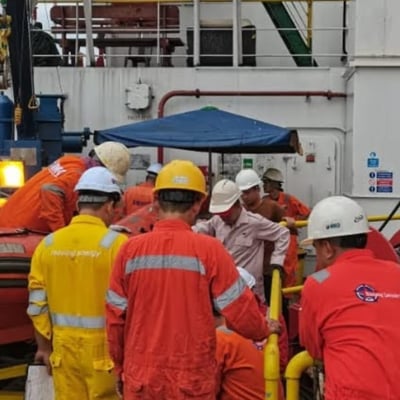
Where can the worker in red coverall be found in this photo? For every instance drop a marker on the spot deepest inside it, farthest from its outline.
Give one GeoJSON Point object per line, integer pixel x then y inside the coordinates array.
{"type": "Point", "coordinates": [47, 201]}
{"type": "Point", "coordinates": [294, 211]}
{"type": "Point", "coordinates": [240, 364]}
{"type": "Point", "coordinates": [141, 195]}
{"type": "Point", "coordinates": [349, 309]}
{"type": "Point", "coordinates": [159, 305]}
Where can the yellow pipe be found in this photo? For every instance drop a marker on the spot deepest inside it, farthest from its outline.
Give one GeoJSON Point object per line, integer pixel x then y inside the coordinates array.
{"type": "Point", "coordinates": [13, 372]}
{"type": "Point", "coordinates": [11, 395]}
{"type": "Point", "coordinates": [371, 218]}
{"type": "Point", "coordinates": [297, 365]}
{"type": "Point", "coordinates": [271, 351]}
{"type": "Point", "coordinates": [292, 289]}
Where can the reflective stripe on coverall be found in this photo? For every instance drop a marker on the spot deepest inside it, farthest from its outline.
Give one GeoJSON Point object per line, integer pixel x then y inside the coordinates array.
{"type": "Point", "coordinates": [349, 319]}
{"type": "Point", "coordinates": [138, 196]}
{"type": "Point", "coordinates": [240, 368]}
{"type": "Point", "coordinates": [160, 324]}
{"type": "Point", "coordinates": [67, 286]}
{"type": "Point", "coordinates": [293, 208]}
{"type": "Point", "coordinates": [47, 201]}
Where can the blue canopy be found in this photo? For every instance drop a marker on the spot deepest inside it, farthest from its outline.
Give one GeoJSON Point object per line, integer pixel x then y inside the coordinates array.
{"type": "Point", "coordinates": [208, 129]}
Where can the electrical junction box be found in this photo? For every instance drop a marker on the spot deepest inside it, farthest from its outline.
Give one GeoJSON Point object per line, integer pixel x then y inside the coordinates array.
{"type": "Point", "coordinates": [138, 97]}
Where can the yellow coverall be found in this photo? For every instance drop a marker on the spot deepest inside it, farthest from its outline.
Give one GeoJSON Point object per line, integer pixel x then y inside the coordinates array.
{"type": "Point", "coordinates": [67, 287]}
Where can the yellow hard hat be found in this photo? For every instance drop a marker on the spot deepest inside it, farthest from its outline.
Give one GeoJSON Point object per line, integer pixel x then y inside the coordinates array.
{"type": "Point", "coordinates": [116, 157]}
{"type": "Point", "coordinates": [181, 174]}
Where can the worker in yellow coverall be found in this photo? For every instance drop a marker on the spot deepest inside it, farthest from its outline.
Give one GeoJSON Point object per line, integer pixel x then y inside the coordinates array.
{"type": "Point", "coordinates": [67, 287]}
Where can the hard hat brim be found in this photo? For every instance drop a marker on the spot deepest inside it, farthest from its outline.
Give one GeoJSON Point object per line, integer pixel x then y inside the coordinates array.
{"type": "Point", "coordinates": [221, 208]}
{"type": "Point", "coordinates": [247, 187]}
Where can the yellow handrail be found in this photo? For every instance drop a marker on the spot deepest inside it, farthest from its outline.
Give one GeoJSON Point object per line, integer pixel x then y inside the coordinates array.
{"type": "Point", "coordinates": [371, 218]}
{"type": "Point", "coordinates": [292, 289]}
{"type": "Point", "coordinates": [271, 351]}
{"type": "Point", "coordinates": [297, 365]}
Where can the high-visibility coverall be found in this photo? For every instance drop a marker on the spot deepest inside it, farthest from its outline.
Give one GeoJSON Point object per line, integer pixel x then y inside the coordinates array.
{"type": "Point", "coordinates": [349, 319]}
{"type": "Point", "coordinates": [47, 201]}
{"type": "Point", "coordinates": [136, 197]}
{"type": "Point", "coordinates": [67, 287]}
{"type": "Point", "coordinates": [240, 368]}
{"type": "Point", "coordinates": [160, 324]}
{"type": "Point", "coordinates": [293, 208]}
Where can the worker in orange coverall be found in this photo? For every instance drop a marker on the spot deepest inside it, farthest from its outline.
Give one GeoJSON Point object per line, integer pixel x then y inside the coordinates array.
{"type": "Point", "coordinates": [294, 211]}
{"type": "Point", "coordinates": [349, 309]}
{"type": "Point", "coordinates": [47, 201]}
{"type": "Point", "coordinates": [163, 286]}
{"type": "Point", "coordinates": [240, 364]}
{"type": "Point", "coordinates": [141, 195]}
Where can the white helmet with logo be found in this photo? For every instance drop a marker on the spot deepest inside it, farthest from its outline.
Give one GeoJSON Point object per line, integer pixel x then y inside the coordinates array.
{"type": "Point", "coordinates": [224, 195]}
{"type": "Point", "coordinates": [247, 178]}
{"type": "Point", "coordinates": [273, 174]}
{"type": "Point", "coordinates": [154, 169]}
{"type": "Point", "coordinates": [336, 216]}
{"type": "Point", "coordinates": [98, 179]}
{"type": "Point", "coordinates": [247, 277]}
{"type": "Point", "coordinates": [116, 157]}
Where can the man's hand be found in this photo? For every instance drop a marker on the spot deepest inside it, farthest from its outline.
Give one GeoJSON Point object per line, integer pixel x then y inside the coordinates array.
{"type": "Point", "coordinates": [274, 326]}
{"type": "Point", "coordinates": [42, 356]}
{"type": "Point", "coordinates": [119, 387]}
{"type": "Point", "coordinates": [290, 222]}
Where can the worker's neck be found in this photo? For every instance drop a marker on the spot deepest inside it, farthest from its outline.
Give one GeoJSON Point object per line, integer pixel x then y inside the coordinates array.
{"type": "Point", "coordinates": [186, 217]}
{"type": "Point", "coordinates": [92, 213]}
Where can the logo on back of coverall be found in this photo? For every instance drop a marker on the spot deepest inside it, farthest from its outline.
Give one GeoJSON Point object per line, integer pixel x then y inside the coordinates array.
{"type": "Point", "coordinates": [366, 293]}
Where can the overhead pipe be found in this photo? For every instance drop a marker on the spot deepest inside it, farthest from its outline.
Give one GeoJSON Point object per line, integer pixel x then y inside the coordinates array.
{"type": "Point", "coordinates": [246, 93]}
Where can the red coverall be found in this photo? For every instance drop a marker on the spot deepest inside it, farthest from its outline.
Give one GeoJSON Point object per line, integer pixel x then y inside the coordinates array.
{"type": "Point", "coordinates": [160, 324]}
{"type": "Point", "coordinates": [136, 197]}
{"type": "Point", "coordinates": [240, 368]}
{"type": "Point", "coordinates": [47, 201]}
{"type": "Point", "coordinates": [349, 319]}
{"type": "Point", "coordinates": [293, 208]}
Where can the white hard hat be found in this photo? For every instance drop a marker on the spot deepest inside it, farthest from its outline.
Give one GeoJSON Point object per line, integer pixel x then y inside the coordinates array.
{"type": "Point", "coordinates": [273, 174]}
{"type": "Point", "coordinates": [116, 157]}
{"type": "Point", "coordinates": [98, 179]}
{"type": "Point", "coordinates": [335, 216]}
{"type": "Point", "coordinates": [154, 169]}
{"type": "Point", "coordinates": [224, 195]}
{"type": "Point", "coordinates": [247, 277]}
{"type": "Point", "coordinates": [247, 178]}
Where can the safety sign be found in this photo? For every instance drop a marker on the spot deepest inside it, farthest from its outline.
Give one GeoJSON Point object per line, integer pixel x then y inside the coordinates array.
{"type": "Point", "coordinates": [380, 181]}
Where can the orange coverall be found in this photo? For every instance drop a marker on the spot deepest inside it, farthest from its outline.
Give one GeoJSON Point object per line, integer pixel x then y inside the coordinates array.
{"type": "Point", "coordinates": [240, 368]}
{"type": "Point", "coordinates": [349, 319]}
{"type": "Point", "coordinates": [47, 201]}
{"type": "Point", "coordinates": [293, 208]}
{"type": "Point", "coordinates": [136, 197]}
{"type": "Point", "coordinates": [159, 318]}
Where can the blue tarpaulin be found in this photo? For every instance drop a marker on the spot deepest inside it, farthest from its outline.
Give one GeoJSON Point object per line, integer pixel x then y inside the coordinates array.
{"type": "Point", "coordinates": [208, 129]}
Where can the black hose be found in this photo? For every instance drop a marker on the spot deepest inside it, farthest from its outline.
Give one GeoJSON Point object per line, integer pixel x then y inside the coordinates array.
{"type": "Point", "coordinates": [389, 217]}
